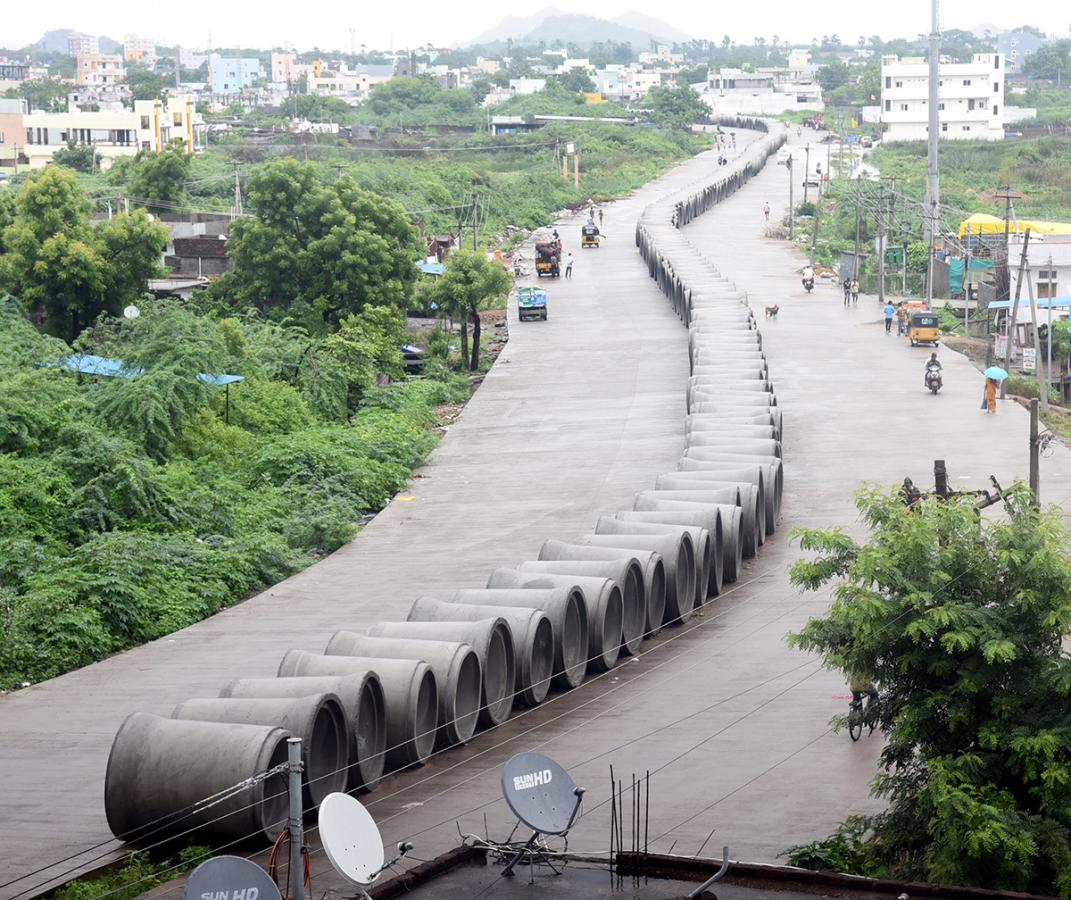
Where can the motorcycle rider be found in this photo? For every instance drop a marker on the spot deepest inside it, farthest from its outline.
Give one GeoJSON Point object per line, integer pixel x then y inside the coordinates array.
{"type": "Point", "coordinates": [933, 363]}
{"type": "Point", "coordinates": [808, 277]}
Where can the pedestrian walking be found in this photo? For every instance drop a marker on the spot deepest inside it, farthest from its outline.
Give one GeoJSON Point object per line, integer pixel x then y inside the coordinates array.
{"type": "Point", "coordinates": [989, 401]}
{"type": "Point", "coordinates": [855, 291]}
{"type": "Point", "coordinates": [847, 286]}
{"type": "Point", "coordinates": [766, 210]}
{"type": "Point", "coordinates": [600, 217]}
{"type": "Point", "coordinates": [889, 311]}
{"type": "Point", "coordinates": [902, 316]}
{"type": "Point", "coordinates": [569, 265]}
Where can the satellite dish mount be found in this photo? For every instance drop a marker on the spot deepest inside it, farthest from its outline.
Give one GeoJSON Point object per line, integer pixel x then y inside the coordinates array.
{"type": "Point", "coordinates": [543, 796]}
{"type": "Point", "coordinates": [352, 841]}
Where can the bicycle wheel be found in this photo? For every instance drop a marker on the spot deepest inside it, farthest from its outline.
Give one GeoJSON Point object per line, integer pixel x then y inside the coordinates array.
{"type": "Point", "coordinates": [855, 721]}
{"type": "Point", "coordinates": [871, 715]}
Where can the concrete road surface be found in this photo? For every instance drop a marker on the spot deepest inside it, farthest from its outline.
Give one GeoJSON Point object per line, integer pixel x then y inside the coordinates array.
{"type": "Point", "coordinates": [578, 414]}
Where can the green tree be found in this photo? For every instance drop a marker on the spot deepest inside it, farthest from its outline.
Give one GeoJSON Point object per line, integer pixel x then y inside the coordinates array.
{"type": "Point", "coordinates": [676, 107]}
{"type": "Point", "coordinates": [470, 283]}
{"type": "Point", "coordinates": [80, 157]}
{"type": "Point", "coordinates": [1051, 62]}
{"type": "Point", "coordinates": [132, 244]}
{"type": "Point", "coordinates": [159, 179]}
{"type": "Point", "coordinates": [145, 84]}
{"type": "Point", "coordinates": [833, 76]}
{"type": "Point", "coordinates": [314, 251]}
{"type": "Point", "coordinates": [961, 619]}
{"type": "Point", "coordinates": [577, 80]}
{"type": "Point", "coordinates": [48, 94]}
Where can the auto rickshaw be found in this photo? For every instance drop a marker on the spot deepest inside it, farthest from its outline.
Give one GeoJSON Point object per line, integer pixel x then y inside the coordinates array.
{"type": "Point", "coordinates": [589, 236]}
{"type": "Point", "coordinates": [922, 328]}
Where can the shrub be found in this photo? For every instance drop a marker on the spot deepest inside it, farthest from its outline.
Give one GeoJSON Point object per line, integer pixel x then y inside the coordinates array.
{"type": "Point", "coordinates": [268, 407]}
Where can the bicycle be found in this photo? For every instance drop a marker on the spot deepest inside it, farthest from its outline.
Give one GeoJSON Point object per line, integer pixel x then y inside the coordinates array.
{"type": "Point", "coordinates": [860, 717]}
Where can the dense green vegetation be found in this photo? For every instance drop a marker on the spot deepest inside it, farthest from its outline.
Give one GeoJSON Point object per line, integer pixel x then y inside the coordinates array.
{"type": "Point", "coordinates": [961, 621]}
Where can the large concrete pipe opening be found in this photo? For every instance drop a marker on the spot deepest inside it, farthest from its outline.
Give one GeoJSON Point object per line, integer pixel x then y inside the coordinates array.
{"type": "Point", "coordinates": [604, 602]}
{"type": "Point", "coordinates": [678, 557]}
{"type": "Point", "coordinates": [709, 522]}
{"type": "Point", "coordinates": [732, 523]}
{"type": "Point", "coordinates": [743, 500]}
{"type": "Point", "coordinates": [564, 603]}
{"type": "Point", "coordinates": [557, 557]}
{"type": "Point", "coordinates": [701, 544]}
{"type": "Point", "coordinates": [751, 494]}
{"type": "Point", "coordinates": [771, 467]}
{"type": "Point", "coordinates": [727, 472]}
{"type": "Point", "coordinates": [362, 700]}
{"type": "Point", "coordinates": [457, 675]}
{"type": "Point", "coordinates": [318, 720]}
{"type": "Point", "coordinates": [158, 767]}
{"type": "Point", "coordinates": [410, 695]}
{"type": "Point", "coordinates": [491, 638]}
{"type": "Point", "coordinates": [533, 639]}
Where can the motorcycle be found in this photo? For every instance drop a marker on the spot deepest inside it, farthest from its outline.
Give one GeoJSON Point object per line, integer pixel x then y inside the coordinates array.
{"type": "Point", "coordinates": [808, 284]}
{"type": "Point", "coordinates": [934, 382]}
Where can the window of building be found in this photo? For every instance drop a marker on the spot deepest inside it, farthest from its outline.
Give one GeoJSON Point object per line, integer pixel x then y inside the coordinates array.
{"type": "Point", "coordinates": [888, 106]}
{"type": "Point", "coordinates": [899, 84]}
{"type": "Point", "coordinates": [966, 82]}
{"type": "Point", "coordinates": [966, 127]}
{"type": "Point", "coordinates": [888, 81]}
{"type": "Point", "coordinates": [940, 106]}
{"type": "Point", "coordinates": [996, 61]}
{"type": "Point", "coordinates": [996, 110]}
{"type": "Point", "coordinates": [176, 118]}
{"type": "Point", "coordinates": [944, 126]}
{"type": "Point", "coordinates": [970, 104]}
{"type": "Point", "coordinates": [145, 123]}
{"type": "Point", "coordinates": [903, 107]}
{"type": "Point", "coordinates": [996, 87]}
{"type": "Point", "coordinates": [1046, 283]}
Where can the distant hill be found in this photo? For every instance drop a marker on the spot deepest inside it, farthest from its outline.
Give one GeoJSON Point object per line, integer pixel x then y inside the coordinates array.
{"type": "Point", "coordinates": [56, 42]}
{"type": "Point", "coordinates": [552, 24]}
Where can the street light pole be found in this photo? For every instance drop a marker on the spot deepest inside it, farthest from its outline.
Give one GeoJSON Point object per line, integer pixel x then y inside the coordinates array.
{"type": "Point", "coordinates": [933, 176]}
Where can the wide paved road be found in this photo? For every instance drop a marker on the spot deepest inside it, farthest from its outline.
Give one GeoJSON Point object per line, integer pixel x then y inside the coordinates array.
{"type": "Point", "coordinates": [578, 414]}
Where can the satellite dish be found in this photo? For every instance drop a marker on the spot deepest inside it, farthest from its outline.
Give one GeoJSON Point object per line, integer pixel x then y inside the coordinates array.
{"type": "Point", "coordinates": [230, 876]}
{"type": "Point", "coordinates": [132, 312]}
{"type": "Point", "coordinates": [541, 793]}
{"type": "Point", "coordinates": [351, 839]}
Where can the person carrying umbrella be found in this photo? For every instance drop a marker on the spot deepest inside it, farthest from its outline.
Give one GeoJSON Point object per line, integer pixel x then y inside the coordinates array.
{"type": "Point", "coordinates": [993, 376]}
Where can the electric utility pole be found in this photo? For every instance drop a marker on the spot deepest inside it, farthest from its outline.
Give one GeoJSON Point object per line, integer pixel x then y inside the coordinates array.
{"type": "Point", "coordinates": [858, 222]}
{"type": "Point", "coordinates": [933, 175]}
{"type": "Point", "coordinates": [1009, 197]}
{"type": "Point", "coordinates": [806, 171]}
{"type": "Point", "coordinates": [791, 203]}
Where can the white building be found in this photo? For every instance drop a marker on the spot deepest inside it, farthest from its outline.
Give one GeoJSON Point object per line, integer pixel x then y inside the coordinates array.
{"type": "Point", "coordinates": [527, 85]}
{"type": "Point", "coordinates": [623, 83]}
{"type": "Point", "coordinates": [351, 85]}
{"type": "Point", "coordinates": [98, 70]}
{"type": "Point", "coordinates": [663, 53]}
{"type": "Point", "coordinates": [114, 133]}
{"type": "Point", "coordinates": [1048, 260]}
{"type": "Point", "coordinates": [733, 92]}
{"type": "Point", "coordinates": [971, 98]}
{"type": "Point", "coordinates": [82, 45]}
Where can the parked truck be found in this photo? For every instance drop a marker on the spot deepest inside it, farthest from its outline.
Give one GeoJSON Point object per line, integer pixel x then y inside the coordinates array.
{"type": "Point", "coordinates": [548, 257]}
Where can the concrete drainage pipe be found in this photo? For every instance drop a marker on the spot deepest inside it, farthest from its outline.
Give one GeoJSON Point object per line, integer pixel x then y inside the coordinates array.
{"type": "Point", "coordinates": [701, 543]}
{"type": "Point", "coordinates": [457, 676]}
{"type": "Point", "coordinates": [362, 701]}
{"type": "Point", "coordinates": [410, 695]}
{"type": "Point", "coordinates": [607, 586]}
{"type": "Point", "coordinates": [771, 464]}
{"type": "Point", "coordinates": [745, 497]}
{"type": "Point", "coordinates": [737, 445]}
{"type": "Point", "coordinates": [678, 556]}
{"type": "Point", "coordinates": [710, 523]}
{"type": "Point", "coordinates": [732, 524]}
{"type": "Point", "coordinates": [650, 563]}
{"type": "Point", "coordinates": [158, 767]}
{"type": "Point", "coordinates": [759, 475]}
{"type": "Point", "coordinates": [566, 607]}
{"type": "Point", "coordinates": [318, 720]}
{"type": "Point", "coordinates": [491, 638]}
{"type": "Point", "coordinates": [533, 640]}
{"type": "Point", "coordinates": [750, 493]}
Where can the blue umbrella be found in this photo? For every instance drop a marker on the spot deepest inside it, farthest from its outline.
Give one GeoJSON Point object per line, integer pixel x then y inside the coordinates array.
{"type": "Point", "coordinates": [995, 372]}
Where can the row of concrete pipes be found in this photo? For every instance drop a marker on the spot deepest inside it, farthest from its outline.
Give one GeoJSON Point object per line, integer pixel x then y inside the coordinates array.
{"type": "Point", "coordinates": [387, 698]}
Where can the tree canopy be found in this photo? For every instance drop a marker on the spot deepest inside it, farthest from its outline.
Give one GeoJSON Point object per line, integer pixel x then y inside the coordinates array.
{"type": "Point", "coordinates": [577, 80]}
{"type": "Point", "coordinates": [961, 620]}
{"type": "Point", "coordinates": [471, 283]}
{"type": "Point", "coordinates": [80, 157]}
{"type": "Point", "coordinates": [314, 251]}
{"type": "Point", "coordinates": [159, 179]}
{"type": "Point", "coordinates": [676, 107]}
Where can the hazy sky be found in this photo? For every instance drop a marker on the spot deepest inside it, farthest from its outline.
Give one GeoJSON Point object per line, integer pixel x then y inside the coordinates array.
{"type": "Point", "coordinates": [326, 23]}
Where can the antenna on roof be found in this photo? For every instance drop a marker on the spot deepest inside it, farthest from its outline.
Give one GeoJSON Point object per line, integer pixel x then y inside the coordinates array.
{"type": "Point", "coordinates": [352, 841]}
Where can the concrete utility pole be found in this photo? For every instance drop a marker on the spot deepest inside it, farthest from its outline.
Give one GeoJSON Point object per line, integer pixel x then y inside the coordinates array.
{"type": "Point", "coordinates": [858, 222]}
{"type": "Point", "coordinates": [881, 244]}
{"type": "Point", "coordinates": [814, 233]}
{"type": "Point", "coordinates": [1009, 211]}
{"type": "Point", "coordinates": [967, 283]}
{"type": "Point", "coordinates": [791, 203]}
{"type": "Point", "coordinates": [1009, 350]}
{"type": "Point", "coordinates": [475, 210]}
{"type": "Point", "coordinates": [806, 171]}
{"type": "Point", "coordinates": [933, 175]}
{"type": "Point", "coordinates": [294, 820]}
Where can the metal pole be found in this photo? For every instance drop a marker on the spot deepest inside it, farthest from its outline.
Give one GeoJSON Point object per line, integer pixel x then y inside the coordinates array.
{"type": "Point", "coordinates": [929, 262]}
{"type": "Point", "coordinates": [814, 233]}
{"type": "Point", "coordinates": [858, 222]}
{"type": "Point", "coordinates": [791, 204]}
{"type": "Point", "coordinates": [1048, 333]}
{"type": "Point", "coordinates": [806, 171]}
{"type": "Point", "coordinates": [881, 246]}
{"type": "Point", "coordinates": [1009, 352]}
{"type": "Point", "coordinates": [967, 284]}
{"type": "Point", "coordinates": [1043, 389]}
{"type": "Point", "coordinates": [1035, 454]}
{"type": "Point", "coordinates": [933, 176]}
{"type": "Point", "coordinates": [475, 206]}
{"type": "Point", "coordinates": [294, 822]}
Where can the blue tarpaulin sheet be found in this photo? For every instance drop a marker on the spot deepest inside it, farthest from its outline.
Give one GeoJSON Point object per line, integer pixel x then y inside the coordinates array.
{"type": "Point", "coordinates": [1040, 303]}
{"type": "Point", "coordinates": [432, 268]}
{"type": "Point", "coordinates": [955, 272]}
{"type": "Point", "coordinates": [88, 364]}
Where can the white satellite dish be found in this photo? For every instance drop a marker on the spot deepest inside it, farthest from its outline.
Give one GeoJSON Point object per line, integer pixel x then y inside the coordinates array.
{"type": "Point", "coordinates": [131, 312]}
{"type": "Point", "coordinates": [352, 841]}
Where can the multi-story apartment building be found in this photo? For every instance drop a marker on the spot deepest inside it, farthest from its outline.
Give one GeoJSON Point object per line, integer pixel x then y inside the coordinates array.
{"type": "Point", "coordinates": [98, 70]}
{"type": "Point", "coordinates": [971, 98]}
{"type": "Point", "coordinates": [114, 133]}
{"type": "Point", "coordinates": [141, 51]}
{"type": "Point", "coordinates": [232, 75]}
{"type": "Point", "coordinates": [82, 45]}
{"type": "Point", "coordinates": [351, 85]}
{"type": "Point", "coordinates": [282, 68]}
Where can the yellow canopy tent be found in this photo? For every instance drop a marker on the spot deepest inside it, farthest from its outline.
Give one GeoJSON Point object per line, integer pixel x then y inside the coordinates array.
{"type": "Point", "coordinates": [982, 223]}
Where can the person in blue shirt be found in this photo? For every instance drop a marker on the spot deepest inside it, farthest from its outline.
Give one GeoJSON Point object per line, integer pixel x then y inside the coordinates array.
{"type": "Point", "coordinates": [889, 311]}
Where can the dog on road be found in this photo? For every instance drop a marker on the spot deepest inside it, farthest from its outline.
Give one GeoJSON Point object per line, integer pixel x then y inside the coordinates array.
{"type": "Point", "coordinates": [772, 311]}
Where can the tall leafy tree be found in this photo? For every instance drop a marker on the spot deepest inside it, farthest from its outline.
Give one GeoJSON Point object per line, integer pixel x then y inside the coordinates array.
{"type": "Point", "coordinates": [159, 179]}
{"type": "Point", "coordinates": [315, 251]}
{"type": "Point", "coordinates": [962, 620]}
{"type": "Point", "coordinates": [80, 157]}
{"type": "Point", "coordinates": [471, 283]}
{"type": "Point", "coordinates": [676, 107]}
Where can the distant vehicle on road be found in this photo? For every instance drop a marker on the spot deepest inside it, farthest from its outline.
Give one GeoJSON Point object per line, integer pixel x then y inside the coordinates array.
{"type": "Point", "coordinates": [783, 156]}
{"type": "Point", "coordinates": [531, 304]}
{"type": "Point", "coordinates": [548, 259]}
{"type": "Point", "coordinates": [866, 142]}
